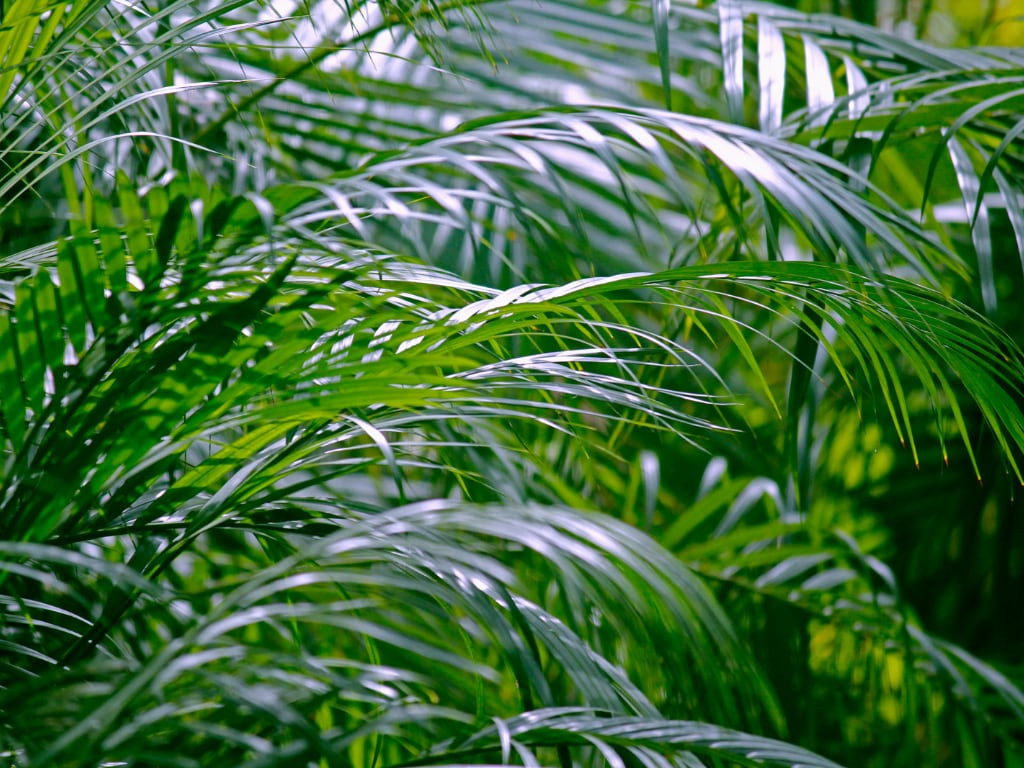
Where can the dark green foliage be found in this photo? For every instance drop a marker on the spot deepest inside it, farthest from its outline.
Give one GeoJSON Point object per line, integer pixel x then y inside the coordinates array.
{"type": "Point", "coordinates": [563, 383]}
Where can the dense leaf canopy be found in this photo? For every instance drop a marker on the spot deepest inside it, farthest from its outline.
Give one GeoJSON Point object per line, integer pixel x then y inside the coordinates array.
{"type": "Point", "coordinates": [575, 382]}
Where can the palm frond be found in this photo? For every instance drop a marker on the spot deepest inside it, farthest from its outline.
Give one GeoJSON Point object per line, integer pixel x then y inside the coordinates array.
{"type": "Point", "coordinates": [328, 331]}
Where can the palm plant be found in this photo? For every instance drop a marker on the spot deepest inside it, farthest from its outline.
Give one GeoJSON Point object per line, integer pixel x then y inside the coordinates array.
{"type": "Point", "coordinates": [572, 383]}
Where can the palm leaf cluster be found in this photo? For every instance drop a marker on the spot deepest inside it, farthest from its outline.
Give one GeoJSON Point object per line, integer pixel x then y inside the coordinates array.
{"type": "Point", "coordinates": [575, 383]}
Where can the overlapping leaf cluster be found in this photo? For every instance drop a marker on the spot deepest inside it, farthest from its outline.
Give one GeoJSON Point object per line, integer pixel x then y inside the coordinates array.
{"type": "Point", "coordinates": [464, 384]}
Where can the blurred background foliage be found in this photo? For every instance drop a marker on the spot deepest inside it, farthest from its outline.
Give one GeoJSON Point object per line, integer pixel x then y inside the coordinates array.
{"type": "Point", "coordinates": [574, 382]}
{"type": "Point", "coordinates": [947, 22]}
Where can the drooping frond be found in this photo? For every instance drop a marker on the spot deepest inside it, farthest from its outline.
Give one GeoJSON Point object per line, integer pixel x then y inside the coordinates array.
{"type": "Point", "coordinates": [329, 330]}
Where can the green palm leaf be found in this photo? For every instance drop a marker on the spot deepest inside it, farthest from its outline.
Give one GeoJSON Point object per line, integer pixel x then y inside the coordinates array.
{"type": "Point", "coordinates": [328, 332]}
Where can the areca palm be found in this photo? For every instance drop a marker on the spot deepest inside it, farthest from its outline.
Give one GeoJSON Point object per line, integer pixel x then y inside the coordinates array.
{"type": "Point", "coordinates": [443, 384]}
